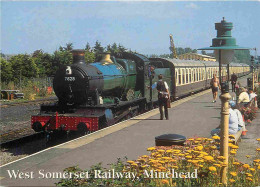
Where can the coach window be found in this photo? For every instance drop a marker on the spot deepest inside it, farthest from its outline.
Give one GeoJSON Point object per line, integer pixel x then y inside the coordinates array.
{"type": "Point", "coordinates": [179, 74]}
{"type": "Point", "coordinates": [197, 74]}
{"type": "Point", "coordinates": [176, 77]}
{"type": "Point", "coordinates": [183, 76]}
{"type": "Point", "coordinates": [189, 75]}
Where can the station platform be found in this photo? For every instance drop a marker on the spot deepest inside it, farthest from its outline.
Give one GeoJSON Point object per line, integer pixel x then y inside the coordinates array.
{"type": "Point", "coordinates": [193, 116]}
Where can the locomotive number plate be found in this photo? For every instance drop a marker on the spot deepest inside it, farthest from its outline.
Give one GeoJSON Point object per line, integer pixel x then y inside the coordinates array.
{"type": "Point", "coordinates": [70, 78]}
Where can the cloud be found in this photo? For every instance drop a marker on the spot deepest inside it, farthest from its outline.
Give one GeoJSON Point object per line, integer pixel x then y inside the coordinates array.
{"type": "Point", "coordinates": [192, 5]}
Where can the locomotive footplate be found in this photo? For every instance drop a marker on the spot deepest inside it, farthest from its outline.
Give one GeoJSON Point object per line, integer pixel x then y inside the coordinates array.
{"type": "Point", "coordinates": [90, 118]}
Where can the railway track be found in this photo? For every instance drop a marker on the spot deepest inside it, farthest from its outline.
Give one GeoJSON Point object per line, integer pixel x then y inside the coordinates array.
{"type": "Point", "coordinates": [37, 101]}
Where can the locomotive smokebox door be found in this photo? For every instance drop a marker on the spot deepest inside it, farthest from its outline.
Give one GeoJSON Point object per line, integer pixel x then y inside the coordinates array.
{"type": "Point", "coordinates": [169, 139]}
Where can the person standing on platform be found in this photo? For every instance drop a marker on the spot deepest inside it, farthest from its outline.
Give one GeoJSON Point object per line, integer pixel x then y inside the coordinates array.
{"type": "Point", "coordinates": [163, 96]}
{"type": "Point", "coordinates": [214, 83]}
{"type": "Point", "coordinates": [233, 81]}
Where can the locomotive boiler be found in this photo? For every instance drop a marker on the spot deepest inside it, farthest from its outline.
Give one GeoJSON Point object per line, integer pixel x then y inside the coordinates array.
{"type": "Point", "coordinates": [89, 84]}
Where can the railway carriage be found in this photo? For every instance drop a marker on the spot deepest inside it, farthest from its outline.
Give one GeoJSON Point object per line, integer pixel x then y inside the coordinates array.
{"type": "Point", "coordinates": [190, 76]}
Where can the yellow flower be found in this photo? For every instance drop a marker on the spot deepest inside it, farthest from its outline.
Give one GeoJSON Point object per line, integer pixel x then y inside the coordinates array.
{"type": "Point", "coordinates": [169, 151]}
{"type": "Point", "coordinates": [151, 148]}
{"type": "Point", "coordinates": [134, 164]}
{"type": "Point", "coordinates": [181, 154]}
{"type": "Point", "coordinates": [235, 147]}
{"type": "Point", "coordinates": [212, 168]}
{"type": "Point", "coordinates": [246, 166]}
{"type": "Point", "coordinates": [234, 174]}
{"type": "Point", "coordinates": [190, 139]}
{"type": "Point", "coordinates": [233, 152]}
{"type": "Point", "coordinates": [188, 157]}
{"type": "Point", "coordinates": [161, 151]}
{"type": "Point", "coordinates": [258, 139]}
{"type": "Point", "coordinates": [199, 148]}
{"type": "Point", "coordinates": [195, 161]}
{"type": "Point", "coordinates": [257, 160]}
{"type": "Point", "coordinates": [208, 158]}
{"type": "Point", "coordinates": [216, 137]}
{"type": "Point", "coordinates": [177, 151]}
{"type": "Point", "coordinates": [250, 179]}
{"type": "Point", "coordinates": [204, 153]}
{"type": "Point", "coordinates": [236, 163]}
{"type": "Point", "coordinates": [130, 162]}
{"type": "Point", "coordinates": [231, 136]}
{"type": "Point", "coordinates": [230, 145]}
{"type": "Point", "coordinates": [221, 157]}
{"type": "Point", "coordinates": [213, 147]}
{"type": "Point", "coordinates": [201, 166]}
{"type": "Point", "coordinates": [252, 169]}
{"type": "Point", "coordinates": [166, 158]}
{"type": "Point", "coordinates": [231, 180]}
{"type": "Point", "coordinates": [258, 167]}
{"type": "Point", "coordinates": [145, 156]}
{"type": "Point", "coordinates": [249, 175]}
{"type": "Point", "coordinates": [164, 181]}
{"type": "Point", "coordinates": [248, 156]}
{"type": "Point", "coordinates": [217, 165]}
{"type": "Point", "coordinates": [175, 167]}
{"type": "Point", "coordinates": [258, 149]}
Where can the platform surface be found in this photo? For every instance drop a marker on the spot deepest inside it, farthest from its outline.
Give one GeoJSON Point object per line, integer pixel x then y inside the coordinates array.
{"type": "Point", "coordinates": [194, 116]}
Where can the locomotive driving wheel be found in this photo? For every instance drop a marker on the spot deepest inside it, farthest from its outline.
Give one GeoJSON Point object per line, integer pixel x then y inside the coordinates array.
{"type": "Point", "coordinates": [130, 95]}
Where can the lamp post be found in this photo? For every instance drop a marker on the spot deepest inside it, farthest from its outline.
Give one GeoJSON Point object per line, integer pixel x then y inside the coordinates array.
{"type": "Point", "coordinates": [224, 45]}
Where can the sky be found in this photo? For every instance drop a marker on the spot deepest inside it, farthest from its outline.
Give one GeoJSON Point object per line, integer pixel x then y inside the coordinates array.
{"type": "Point", "coordinates": [141, 26]}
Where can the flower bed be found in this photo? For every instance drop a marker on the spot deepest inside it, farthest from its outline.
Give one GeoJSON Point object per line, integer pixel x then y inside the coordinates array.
{"type": "Point", "coordinates": [197, 163]}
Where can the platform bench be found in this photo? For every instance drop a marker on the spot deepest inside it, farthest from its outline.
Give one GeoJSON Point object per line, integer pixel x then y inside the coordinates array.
{"type": "Point", "coordinates": [237, 136]}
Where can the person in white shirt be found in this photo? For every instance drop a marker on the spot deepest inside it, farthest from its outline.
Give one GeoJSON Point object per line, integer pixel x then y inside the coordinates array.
{"type": "Point", "coordinates": [241, 123]}
{"type": "Point", "coordinates": [233, 124]}
{"type": "Point", "coordinates": [252, 95]}
{"type": "Point", "coordinates": [243, 97]}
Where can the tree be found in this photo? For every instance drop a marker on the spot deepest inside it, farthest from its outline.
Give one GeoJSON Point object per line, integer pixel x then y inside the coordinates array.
{"type": "Point", "coordinates": [121, 48]}
{"type": "Point", "coordinates": [69, 47]}
{"type": "Point", "coordinates": [98, 48]}
{"type": "Point", "coordinates": [62, 58]}
{"type": "Point", "coordinates": [187, 50]}
{"type": "Point", "coordinates": [194, 51]}
{"type": "Point", "coordinates": [6, 71]}
{"type": "Point", "coordinates": [89, 54]}
{"type": "Point", "coordinates": [180, 51]}
{"type": "Point", "coordinates": [23, 67]}
{"type": "Point", "coordinates": [88, 48]}
{"type": "Point", "coordinates": [43, 62]}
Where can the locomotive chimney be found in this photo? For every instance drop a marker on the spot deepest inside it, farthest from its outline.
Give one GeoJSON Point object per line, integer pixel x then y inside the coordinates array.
{"type": "Point", "coordinates": [78, 56]}
{"type": "Point", "coordinates": [106, 58]}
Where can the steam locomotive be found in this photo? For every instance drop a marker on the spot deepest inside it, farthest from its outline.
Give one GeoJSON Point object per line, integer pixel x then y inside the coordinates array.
{"type": "Point", "coordinates": [96, 95]}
